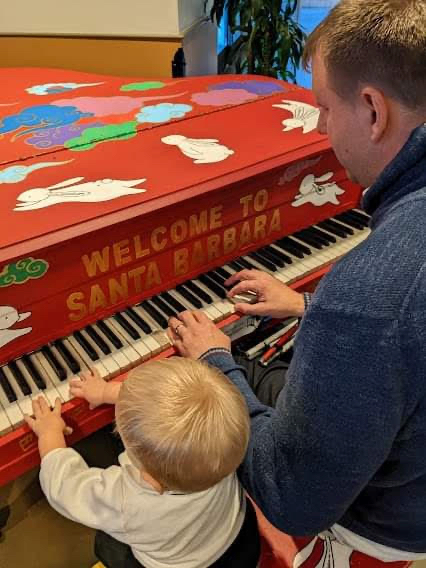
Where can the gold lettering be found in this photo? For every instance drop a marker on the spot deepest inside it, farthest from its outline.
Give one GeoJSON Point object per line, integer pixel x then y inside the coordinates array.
{"type": "Point", "coordinates": [198, 255]}
{"type": "Point", "coordinates": [275, 222]}
{"type": "Point", "coordinates": [259, 227]}
{"type": "Point", "coordinates": [120, 250]}
{"type": "Point", "coordinates": [213, 242]}
{"type": "Point", "coordinates": [260, 200]}
{"type": "Point", "coordinates": [229, 240]}
{"type": "Point", "coordinates": [156, 244]}
{"type": "Point", "coordinates": [96, 261]}
{"type": "Point", "coordinates": [181, 261]}
{"type": "Point", "coordinates": [118, 290]}
{"type": "Point", "coordinates": [198, 225]}
{"type": "Point", "coordinates": [245, 235]}
{"type": "Point", "coordinates": [136, 274]}
{"type": "Point", "coordinates": [179, 231]}
{"type": "Point", "coordinates": [139, 251]}
{"type": "Point", "coordinates": [152, 275]}
{"type": "Point", "coordinates": [245, 203]}
{"type": "Point", "coordinates": [97, 299]}
{"type": "Point", "coordinates": [74, 304]}
{"type": "Point", "coordinates": [216, 217]}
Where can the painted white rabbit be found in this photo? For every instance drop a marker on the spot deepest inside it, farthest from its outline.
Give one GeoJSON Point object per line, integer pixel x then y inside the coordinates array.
{"type": "Point", "coordinates": [304, 116]}
{"type": "Point", "coordinates": [8, 317]}
{"type": "Point", "coordinates": [201, 150]}
{"type": "Point", "coordinates": [310, 191]}
{"type": "Point", "coordinates": [71, 191]}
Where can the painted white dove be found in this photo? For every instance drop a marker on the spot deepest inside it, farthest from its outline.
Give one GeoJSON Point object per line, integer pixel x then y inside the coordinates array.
{"type": "Point", "coordinates": [304, 116]}
{"type": "Point", "coordinates": [71, 191]}
{"type": "Point", "coordinates": [310, 191]}
{"type": "Point", "coordinates": [8, 317]}
{"type": "Point", "coordinates": [201, 150]}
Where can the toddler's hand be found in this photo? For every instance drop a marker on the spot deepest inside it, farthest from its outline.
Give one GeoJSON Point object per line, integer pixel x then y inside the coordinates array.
{"type": "Point", "coordinates": [89, 386]}
{"type": "Point", "coordinates": [46, 421]}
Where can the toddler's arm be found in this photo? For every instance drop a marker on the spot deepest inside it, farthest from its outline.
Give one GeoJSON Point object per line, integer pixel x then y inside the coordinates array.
{"type": "Point", "coordinates": [94, 389]}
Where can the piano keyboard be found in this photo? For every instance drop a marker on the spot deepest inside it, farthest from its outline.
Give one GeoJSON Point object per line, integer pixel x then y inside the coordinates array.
{"type": "Point", "coordinates": [138, 333]}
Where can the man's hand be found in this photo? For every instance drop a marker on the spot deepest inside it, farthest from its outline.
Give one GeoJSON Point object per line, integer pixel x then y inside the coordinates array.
{"type": "Point", "coordinates": [48, 425]}
{"type": "Point", "coordinates": [274, 298]}
{"type": "Point", "coordinates": [91, 386]}
{"type": "Point", "coordinates": [193, 334]}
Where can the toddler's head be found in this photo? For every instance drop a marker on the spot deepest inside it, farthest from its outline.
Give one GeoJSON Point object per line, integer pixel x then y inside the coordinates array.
{"type": "Point", "coordinates": [183, 422]}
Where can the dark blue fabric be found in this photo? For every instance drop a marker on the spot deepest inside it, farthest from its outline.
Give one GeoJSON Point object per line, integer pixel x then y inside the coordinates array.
{"type": "Point", "coordinates": [347, 441]}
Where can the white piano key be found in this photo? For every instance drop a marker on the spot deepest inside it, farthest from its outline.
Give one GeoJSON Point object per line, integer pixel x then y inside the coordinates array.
{"type": "Point", "coordinates": [5, 424]}
{"type": "Point", "coordinates": [146, 340]}
{"type": "Point", "coordinates": [83, 358]}
{"type": "Point", "coordinates": [108, 361]}
{"type": "Point", "coordinates": [24, 401]}
{"type": "Point", "coordinates": [61, 386]}
{"type": "Point", "coordinates": [35, 391]}
{"type": "Point", "coordinates": [118, 354]}
{"type": "Point", "coordinates": [135, 351]}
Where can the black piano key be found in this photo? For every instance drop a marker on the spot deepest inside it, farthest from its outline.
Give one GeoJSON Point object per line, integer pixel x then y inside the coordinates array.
{"type": "Point", "coordinates": [309, 240]}
{"type": "Point", "coordinates": [298, 246]}
{"type": "Point", "coordinates": [246, 263]}
{"type": "Point", "coordinates": [68, 357]}
{"type": "Point", "coordinates": [54, 363]}
{"type": "Point", "coordinates": [109, 334]}
{"type": "Point", "coordinates": [286, 248]}
{"type": "Point", "coordinates": [197, 291]}
{"type": "Point", "coordinates": [211, 285]}
{"type": "Point", "coordinates": [270, 255]}
{"type": "Point", "coordinates": [127, 326]}
{"type": "Point", "coordinates": [265, 263]}
{"type": "Point", "coordinates": [154, 313]}
{"type": "Point", "coordinates": [20, 379]}
{"type": "Point", "coordinates": [189, 296]}
{"type": "Point", "coordinates": [171, 300]}
{"type": "Point", "coordinates": [85, 345]}
{"type": "Point", "coordinates": [236, 265]}
{"type": "Point", "coordinates": [322, 234]}
{"type": "Point", "coordinates": [222, 271]}
{"type": "Point", "coordinates": [351, 221]}
{"type": "Point", "coordinates": [164, 307]}
{"type": "Point", "coordinates": [284, 257]}
{"type": "Point", "coordinates": [139, 321]}
{"type": "Point", "coordinates": [96, 338]}
{"type": "Point", "coordinates": [309, 234]}
{"type": "Point", "coordinates": [34, 372]}
{"type": "Point", "coordinates": [360, 215]}
{"type": "Point", "coordinates": [217, 278]}
{"type": "Point", "coordinates": [336, 230]}
{"type": "Point", "coordinates": [339, 226]}
{"type": "Point", "coordinates": [7, 387]}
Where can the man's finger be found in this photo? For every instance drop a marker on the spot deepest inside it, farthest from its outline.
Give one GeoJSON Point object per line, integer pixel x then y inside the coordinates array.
{"type": "Point", "coordinates": [187, 318]}
{"type": "Point", "coordinates": [237, 276]}
{"type": "Point", "coordinates": [200, 317]}
{"type": "Point", "coordinates": [243, 287]}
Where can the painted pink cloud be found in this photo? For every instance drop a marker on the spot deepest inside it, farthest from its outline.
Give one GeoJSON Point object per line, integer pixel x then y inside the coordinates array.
{"type": "Point", "coordinates": [223, 97]}
{"type": "Point", "coordinates": [106, 106]}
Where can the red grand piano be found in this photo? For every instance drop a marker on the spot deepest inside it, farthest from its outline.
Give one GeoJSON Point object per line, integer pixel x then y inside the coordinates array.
{"type": "Point", "coordinates": [124, 201]}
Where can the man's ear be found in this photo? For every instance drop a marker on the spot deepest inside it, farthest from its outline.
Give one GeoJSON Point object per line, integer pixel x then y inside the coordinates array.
{"type": "Point", "coordinates": [376, 105]}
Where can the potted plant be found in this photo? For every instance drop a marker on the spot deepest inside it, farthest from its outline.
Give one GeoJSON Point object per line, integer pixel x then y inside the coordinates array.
{"type": "Point", "coordinates": [265, 36]}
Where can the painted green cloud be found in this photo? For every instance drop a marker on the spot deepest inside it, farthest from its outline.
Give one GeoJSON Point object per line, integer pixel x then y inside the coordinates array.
{"type": "Point", "coordinates": [92, 136]}
{"type": "Point", "coordinates": [145, 86]}
{"type": "Point", "coordinates": [23, 270]}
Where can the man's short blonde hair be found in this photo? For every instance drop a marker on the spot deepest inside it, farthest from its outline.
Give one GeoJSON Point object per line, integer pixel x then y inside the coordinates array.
{"type": "Point", "coordinates": [184, 422]}
{"type": "Point", "coordinates": [376, 42]}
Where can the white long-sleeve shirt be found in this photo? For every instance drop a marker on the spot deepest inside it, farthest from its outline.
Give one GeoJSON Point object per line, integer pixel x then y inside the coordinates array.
{"type": "Point", "coordinates": [185, 530]}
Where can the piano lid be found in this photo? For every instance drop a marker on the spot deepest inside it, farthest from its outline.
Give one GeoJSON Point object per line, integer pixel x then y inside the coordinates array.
{"type": "Point", "coordinates": [81, 151]}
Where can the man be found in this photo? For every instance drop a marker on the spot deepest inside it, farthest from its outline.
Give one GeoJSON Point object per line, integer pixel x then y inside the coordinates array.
{"type": "Point", "coordinates": [345, 447]}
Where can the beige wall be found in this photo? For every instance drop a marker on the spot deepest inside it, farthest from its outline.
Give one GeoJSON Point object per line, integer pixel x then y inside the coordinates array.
{"type": "Point", "coordinates": [143, 57]}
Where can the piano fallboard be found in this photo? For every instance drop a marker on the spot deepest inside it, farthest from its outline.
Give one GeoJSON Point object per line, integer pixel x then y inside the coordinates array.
{"type": "Point", "coordinates": [115, 189]}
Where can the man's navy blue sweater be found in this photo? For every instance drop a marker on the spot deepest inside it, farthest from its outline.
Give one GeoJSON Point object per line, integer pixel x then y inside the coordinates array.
{"type": "Point", "coordinates": [347, 441]}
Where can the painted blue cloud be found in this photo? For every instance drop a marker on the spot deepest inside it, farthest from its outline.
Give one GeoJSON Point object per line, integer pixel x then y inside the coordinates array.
{"type": "Point", "coordinates": [41, 117]}
{"type": "Point", "coordinates": [15, 174]}
{"type": "Point", "coordinates": [252, 86]}
{"type": "Point", "coordinates": [162, 112]}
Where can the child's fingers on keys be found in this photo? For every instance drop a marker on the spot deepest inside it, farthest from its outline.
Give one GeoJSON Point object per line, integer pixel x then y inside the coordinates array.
{"type": "Point", "coordinates": [30, 421]}
{"type": "Point", "coordinates": [57, 407]}
{"type": "Point", "coordinates": [68, 430]}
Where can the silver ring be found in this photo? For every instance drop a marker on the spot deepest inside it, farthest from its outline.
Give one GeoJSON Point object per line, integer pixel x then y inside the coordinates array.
{"type": "Point", "coordinates": [177, 328]}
